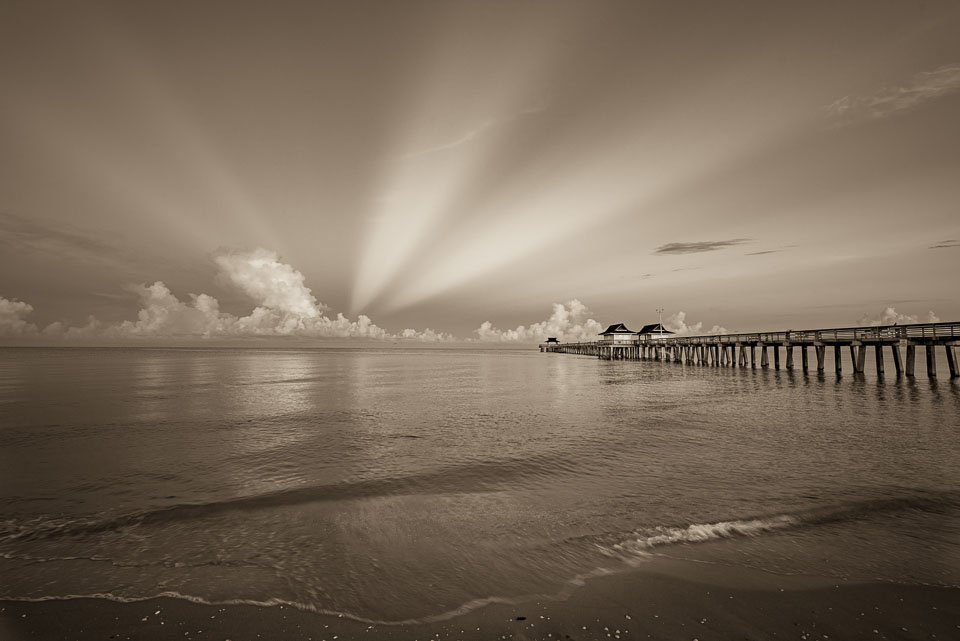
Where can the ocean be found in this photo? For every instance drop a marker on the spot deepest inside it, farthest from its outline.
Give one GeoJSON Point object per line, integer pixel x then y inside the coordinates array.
{"type": "Point", "coordinates": [416, 484]}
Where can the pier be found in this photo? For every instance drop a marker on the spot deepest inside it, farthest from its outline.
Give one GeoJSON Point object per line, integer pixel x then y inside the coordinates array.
{"type": "Point", "coordinates": [741, 350]}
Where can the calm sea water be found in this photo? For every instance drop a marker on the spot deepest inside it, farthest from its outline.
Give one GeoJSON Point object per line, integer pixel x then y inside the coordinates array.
{"type": "Point", "coordinates": [406, 484]}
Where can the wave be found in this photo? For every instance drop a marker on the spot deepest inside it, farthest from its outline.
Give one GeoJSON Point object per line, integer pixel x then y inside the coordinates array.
{"type": "Point", "coordinates": [641, 542]}
{"type": "Point", "coordinates": [474, 477]}
{"type": "Point", "coordinates": [475, 604]}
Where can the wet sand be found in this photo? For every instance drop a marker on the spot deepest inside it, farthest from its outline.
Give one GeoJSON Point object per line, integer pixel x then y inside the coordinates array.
{"type": "Point", "coordinates": [663, 600]}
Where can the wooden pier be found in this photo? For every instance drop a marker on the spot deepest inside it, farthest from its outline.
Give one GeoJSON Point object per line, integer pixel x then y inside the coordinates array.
{"type": "Point", "coordinates": [740, 350]}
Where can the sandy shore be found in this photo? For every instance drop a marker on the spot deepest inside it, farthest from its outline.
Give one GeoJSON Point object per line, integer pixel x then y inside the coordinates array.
{"type": "Point", "coordinates": [662, 600]}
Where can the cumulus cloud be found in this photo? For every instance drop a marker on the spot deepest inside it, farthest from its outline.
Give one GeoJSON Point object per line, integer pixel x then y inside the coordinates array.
{"type": "Point", "coordinates": [892, 100]}
{"type": "Point", "coordinates": [12, 318]}
{"type": "Point", "coordinates": [270, 283]}
{"type": "Point", "coordinates": [698, 247]}
{"type": "Point", "coordinates": [677, 323]}
{"type": "Point", "coordinates": [163, 314]}
{"type": "Point", "coordinates": [569, 322]}
{"type": "Point", "coordinates": [890, 316]}
{"type": "Point", "coordinates": [284, 306]}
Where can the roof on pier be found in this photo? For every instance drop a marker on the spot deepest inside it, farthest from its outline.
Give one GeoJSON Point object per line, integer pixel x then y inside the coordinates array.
{"type": "Point", "coordinates": [619, 328]}
{"type": "Point", "coordinates": [552, 339]}
{"type": "Point", "coordinates": [654, 328]}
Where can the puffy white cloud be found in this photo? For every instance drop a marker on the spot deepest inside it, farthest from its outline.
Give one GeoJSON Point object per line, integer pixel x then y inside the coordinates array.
{"type": "Point", "coordinates": [270, 283]}
{"type": "Point", "coordinates": [890, 316]}
{"type": "Point", "coordinates": [677, 323]}
{"type": "Point", "coordinates": [12, 321]}
{"type": "Point", "coordinates": [163, 314]}
{"type": "Point", "coordinates": [569, 323]}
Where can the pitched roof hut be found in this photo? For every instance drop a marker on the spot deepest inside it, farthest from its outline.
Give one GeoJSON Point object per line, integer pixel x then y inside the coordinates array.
{"type": "Point", "coordinates": [654, 330]}
{"type": "Point", "coordinates": [618, 333]}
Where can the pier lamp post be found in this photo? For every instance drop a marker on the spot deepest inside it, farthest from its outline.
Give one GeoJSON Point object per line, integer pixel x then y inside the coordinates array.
{"type": "Point", "coordinates": [660, 321]}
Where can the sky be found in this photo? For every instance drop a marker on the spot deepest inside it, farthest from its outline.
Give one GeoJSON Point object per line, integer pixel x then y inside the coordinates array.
{"type": "Point", "coordinates": [486, 171]}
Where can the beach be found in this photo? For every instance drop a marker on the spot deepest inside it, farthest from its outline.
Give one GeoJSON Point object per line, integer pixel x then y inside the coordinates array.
{"type": "Point", "coordinates": [670, 600]}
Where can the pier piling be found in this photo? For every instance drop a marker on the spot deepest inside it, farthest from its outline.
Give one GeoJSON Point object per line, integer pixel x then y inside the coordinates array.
{"type": "Point", "coordinates": [931, 361]}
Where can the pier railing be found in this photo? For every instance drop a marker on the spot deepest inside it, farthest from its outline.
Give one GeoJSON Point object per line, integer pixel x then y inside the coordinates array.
{"type": "Point", "coordinates": [722, 349]}
{"type": "Point", "coordinates": [917, 331]}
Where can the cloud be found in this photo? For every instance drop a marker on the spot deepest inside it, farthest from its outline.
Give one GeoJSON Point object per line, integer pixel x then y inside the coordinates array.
{"type": "Point", "coordinates": [12, 321]}
{"type": "Point", "coordinates": [703, 246]}
{"type": "Point", "coordinates": [285, 307]}
{"type": "Point", "coordinates": [270, 283]}
{"type": "Point", "coordinates": [889, 316]}
{"type": "Point", "coordinates": [476, 132]}
{"type": "Point", "coordinates": [893, 100]}
{"type": "Point", "coordinates": [453, 144]}
{"type": "Point", "coordinates": [945, 244]}
{"type": "Point", "coordinates": [768, 251]}
{"type": "Point", "coordinates": [568, 322]}
{"type": "Point", "coordinates": [163, 314]}
{"type": "Point", "coordinates": [677, 324]}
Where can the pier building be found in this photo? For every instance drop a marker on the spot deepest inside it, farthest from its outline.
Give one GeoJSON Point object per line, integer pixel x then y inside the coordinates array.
{"type": "Point", "coordinates": [617, 335]}
{"type": "Point", "coordinates": [655, 330]}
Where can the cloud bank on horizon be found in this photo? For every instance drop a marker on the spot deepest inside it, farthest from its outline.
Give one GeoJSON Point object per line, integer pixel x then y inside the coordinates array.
{"type": "Point", "coordinates": [284, 307]}
{"type": "Point", "coordinates": [570, 322]}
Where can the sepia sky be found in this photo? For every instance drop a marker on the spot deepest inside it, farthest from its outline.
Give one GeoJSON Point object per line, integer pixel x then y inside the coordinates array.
{"type": "Point", "coordinates": [413, 165]}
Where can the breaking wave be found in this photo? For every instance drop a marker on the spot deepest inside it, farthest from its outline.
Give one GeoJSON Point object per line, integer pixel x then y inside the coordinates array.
{"type": "Point", "coordinates": [643, 541]}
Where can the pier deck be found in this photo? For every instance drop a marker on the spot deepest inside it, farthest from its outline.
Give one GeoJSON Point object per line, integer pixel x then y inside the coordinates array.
{"type": "Point", "coordinates": [741, 349]}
